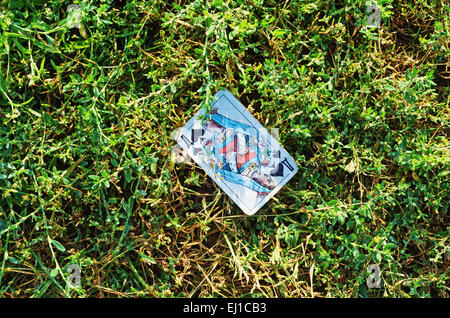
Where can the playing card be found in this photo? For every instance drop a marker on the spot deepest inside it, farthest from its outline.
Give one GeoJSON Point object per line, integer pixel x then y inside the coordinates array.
{"type": "Point", "coordinates": [237, 152]}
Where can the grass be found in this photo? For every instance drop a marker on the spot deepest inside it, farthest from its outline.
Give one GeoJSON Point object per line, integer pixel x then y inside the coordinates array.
{"type": "Point", "coordinates": [86, 176]}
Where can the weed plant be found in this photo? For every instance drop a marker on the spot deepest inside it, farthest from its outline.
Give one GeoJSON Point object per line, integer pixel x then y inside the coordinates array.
{"type": "Point", "coordinates": [86, 175]}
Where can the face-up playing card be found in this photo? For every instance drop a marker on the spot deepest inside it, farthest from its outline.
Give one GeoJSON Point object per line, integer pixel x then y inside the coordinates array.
{"type": "Point", "coordinates": [237, 152]}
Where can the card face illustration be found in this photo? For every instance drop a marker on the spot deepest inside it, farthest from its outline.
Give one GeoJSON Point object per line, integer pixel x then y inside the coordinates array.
{"type": "Point", "coordinates": [237, 152]}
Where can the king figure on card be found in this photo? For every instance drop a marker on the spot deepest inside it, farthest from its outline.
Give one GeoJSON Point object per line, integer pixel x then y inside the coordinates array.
{"type": "Point", "coordinates": [236, 153]}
